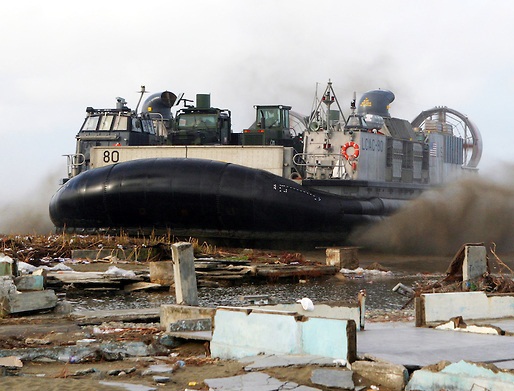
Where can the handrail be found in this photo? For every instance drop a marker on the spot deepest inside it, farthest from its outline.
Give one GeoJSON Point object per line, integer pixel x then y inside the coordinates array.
{"type": "Point", "coordinates": [73, 162]}
{"type": "Point", "coordinates": [301, 159]}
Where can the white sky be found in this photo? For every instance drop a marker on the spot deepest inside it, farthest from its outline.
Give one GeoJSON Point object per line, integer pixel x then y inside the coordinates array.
{"type": "Point", "coordinates": [58, 57]}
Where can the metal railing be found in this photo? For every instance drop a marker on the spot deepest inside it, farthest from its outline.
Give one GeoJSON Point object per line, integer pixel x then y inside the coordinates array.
{"type": "Point", "coordinates": [314, 162]}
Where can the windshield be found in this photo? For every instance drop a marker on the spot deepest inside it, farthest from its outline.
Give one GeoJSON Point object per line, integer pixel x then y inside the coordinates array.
{"type": "Point", "coordinates": [105, 122]}
{"type": "Point", "coordinates": [268, 117]}
{"type": "Point", "coordinates": [202, 121]}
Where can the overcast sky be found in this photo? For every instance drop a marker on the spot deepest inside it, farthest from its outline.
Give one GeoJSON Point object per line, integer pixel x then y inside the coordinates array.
{"type": "Point", "coordinates": [58, 57]}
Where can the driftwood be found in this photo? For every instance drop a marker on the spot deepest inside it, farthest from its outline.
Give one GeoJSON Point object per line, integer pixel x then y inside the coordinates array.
{"type": "Point", "coordinates": [294, 271]}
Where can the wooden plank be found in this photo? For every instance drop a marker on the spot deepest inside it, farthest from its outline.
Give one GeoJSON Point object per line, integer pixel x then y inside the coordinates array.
{"type": "Point", "coordinates": [271, 271]}
{"type": "Point", "coordinates": [141, 286]}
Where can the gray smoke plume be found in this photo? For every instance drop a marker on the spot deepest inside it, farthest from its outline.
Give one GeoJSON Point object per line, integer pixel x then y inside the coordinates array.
{"type": "Point", "coordinates": [29, 215]}
{"type": "Point", "coordinates": [474, 210]}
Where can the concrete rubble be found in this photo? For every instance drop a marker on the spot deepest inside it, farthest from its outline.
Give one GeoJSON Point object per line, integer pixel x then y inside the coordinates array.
{"type": "Point", "coordinates": [392, 376]}
{"type": "Point", "coordinates": [461, 375]}
{"type": "Point", "coordinates": [334, 378]}
{"type": "Point", "coordinates": [20, 294]}
{"type": "Point", "coordinates": [330, 340]}
{"type": "Point", "coordinates": [253, 382]}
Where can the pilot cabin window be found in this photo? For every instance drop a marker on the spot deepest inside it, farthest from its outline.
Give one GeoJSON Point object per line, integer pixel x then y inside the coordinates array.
{"type": "Point", "coordinates": [91, 123]}
{"type": "Point", "coordinates": [105, 122]}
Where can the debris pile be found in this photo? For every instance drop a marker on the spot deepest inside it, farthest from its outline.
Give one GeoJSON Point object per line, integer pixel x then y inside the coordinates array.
{"type": "Point", "coordinates": [499, 281]}
{"type": "Point", "coordinates": [19, 294]}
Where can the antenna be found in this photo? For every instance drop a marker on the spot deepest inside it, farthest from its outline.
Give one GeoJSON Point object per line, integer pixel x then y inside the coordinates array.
{"type": "Point", "coordinates": [142, 92]}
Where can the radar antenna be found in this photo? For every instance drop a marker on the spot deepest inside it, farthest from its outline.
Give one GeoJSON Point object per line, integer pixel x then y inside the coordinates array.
{"type": "Point", "coordinates": [320, 116]}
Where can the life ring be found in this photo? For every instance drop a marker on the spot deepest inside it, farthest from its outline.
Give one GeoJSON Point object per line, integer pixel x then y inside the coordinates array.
{"type": "Point", "coordinates": [295, 176]}
{"type": "Point", "coordinates": [355, 147]}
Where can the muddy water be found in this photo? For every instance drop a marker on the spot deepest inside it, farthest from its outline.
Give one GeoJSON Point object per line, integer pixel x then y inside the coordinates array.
{"type": "Point", "coordinates": [378, 289]}
{"type": "Point", "coordinates": [407, 270]}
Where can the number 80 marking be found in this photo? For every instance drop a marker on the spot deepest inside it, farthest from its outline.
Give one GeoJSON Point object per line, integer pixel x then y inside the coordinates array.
{"type": "Point", "coordinates": [111, 157]}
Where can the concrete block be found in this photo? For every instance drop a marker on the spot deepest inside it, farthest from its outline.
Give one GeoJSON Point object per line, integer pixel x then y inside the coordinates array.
{"type": "Point", "coordinates": [342, 257]}
{"type": "Point", "coordinates": [241, 332]}
{"type": "Point", "coordinates": [440, 307]}
{"type": "Point", "coordinates": [30, 283]}
{"type": "Point", "coordinates": [389, 375]}
{"type": "Point", "coordinates": [161, 272]}
{"type": "Point", "coordinates": [173, 313]}
{"type": "Point", "coordinates": [461, 376]}
{"type": "Point", "coordinates": [31, 301]}
{"type": "Point", "coordinates": [335, 378]}
{"type": "Point", "coordinates": [186, 290]}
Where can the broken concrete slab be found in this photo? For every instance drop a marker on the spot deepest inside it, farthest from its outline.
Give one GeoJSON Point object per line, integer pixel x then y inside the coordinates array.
{"type": "Point", "coordinates": [416, 347]}
{"type": "Point", "coordinates": [90, 279]}
{"type": "Point", "coordinates": [158, 369]}
{"type": "Point", "coordinates": [335, 378]}
{"type": "Point", "coordinates": [11, 361]}
{"type": "Point", "coordinates": [245, 331]}
{"type": "Point", "coordinates": [392, 376]}
{"type": "Point", "coordinates": [253, 381]}
{"type": "Point", "coordinates": [461, 376]}
{"type": "Point", "coordinates": [125, 315]}
{"type": "Point", "coordinates": [127, 386]}
{"type": "Point", "coordinates": [434, 308]}
{"type": "Point", "coordinates": [29, 301]}
{"type": "Point", "coordinates": [109, 351]}
{"type": "Point", "coordinates": [263, 361]}
{"type": "Point", "coordinates": [458, 324]}
{"type": "Point", "coordinates": [191, 335]}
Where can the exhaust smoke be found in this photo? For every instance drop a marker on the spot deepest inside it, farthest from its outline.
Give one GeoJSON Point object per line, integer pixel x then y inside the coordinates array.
{"type": "Point", "coordinates": [473, 210]}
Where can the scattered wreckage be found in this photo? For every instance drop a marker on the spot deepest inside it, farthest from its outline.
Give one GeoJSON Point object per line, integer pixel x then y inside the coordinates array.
{"type": "Point", "coordinates": [466, 275]}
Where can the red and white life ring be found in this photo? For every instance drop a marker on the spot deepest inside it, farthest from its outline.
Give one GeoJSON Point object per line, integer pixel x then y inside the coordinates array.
{"type": "Point", "coordinates": [344, 150]}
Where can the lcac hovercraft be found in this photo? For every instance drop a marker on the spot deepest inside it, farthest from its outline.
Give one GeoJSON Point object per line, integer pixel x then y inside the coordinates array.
{"type": "Point", "coordinates": [287, 177]}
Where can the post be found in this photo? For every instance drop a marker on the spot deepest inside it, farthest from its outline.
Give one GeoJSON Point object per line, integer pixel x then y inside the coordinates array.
{"type": "Point", "coordinates": [184, 272]}
{"type": "Point", "coordinates": [474, 265]}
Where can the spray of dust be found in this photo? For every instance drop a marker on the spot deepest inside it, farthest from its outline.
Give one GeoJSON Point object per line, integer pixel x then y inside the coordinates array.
{"type": "Point", "coordinates": [29, 215]}
{"type": "Point", "coordinates": [474, 210]}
